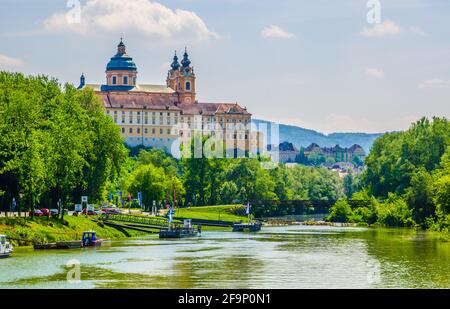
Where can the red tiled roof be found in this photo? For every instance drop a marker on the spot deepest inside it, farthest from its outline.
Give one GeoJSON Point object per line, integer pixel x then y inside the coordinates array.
{"type": "Point", "coordinates": [138, 101]}
{"type": "Point", "coordinates": [159, 102]}
{"type": "Point", "coordinates": [212, 108]}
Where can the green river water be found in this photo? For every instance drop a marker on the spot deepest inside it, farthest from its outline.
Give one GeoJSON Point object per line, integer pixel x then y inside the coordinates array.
{"type": "Point", "coordinates": [277, 257]}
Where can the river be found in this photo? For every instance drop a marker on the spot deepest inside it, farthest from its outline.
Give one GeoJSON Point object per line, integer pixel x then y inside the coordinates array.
{"type": "Point", "coordinates": [277, 257]}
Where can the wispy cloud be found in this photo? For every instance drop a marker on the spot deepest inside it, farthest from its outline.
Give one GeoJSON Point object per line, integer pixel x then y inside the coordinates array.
{"type": "Point", "coordinates": [374, 72]}
{"type": "Point", "coordinates": [276, 32]}
{"type": "Point", "coordinates": [434, 83]}
{"type": "Point", "coordinates": [383, 29]}
{"type": "Point", "coordinates": [143, 16]}
{"type": "Point", "coordinates": [10, 62]}
{"type": "Point", "coordinates": [418, 31]}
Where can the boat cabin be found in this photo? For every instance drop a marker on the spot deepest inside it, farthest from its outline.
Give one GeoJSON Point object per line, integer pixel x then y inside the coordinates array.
{"type": "Point", "coordinates": [89, 238]}
{"type": "Point", "coordinates": [5, 247]}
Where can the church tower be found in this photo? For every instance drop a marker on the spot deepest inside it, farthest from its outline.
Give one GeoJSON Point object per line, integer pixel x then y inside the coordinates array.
{"type": "Point", "coordinates": [181, 78]}
{"type": "Point", "coordinates": [121, 71]}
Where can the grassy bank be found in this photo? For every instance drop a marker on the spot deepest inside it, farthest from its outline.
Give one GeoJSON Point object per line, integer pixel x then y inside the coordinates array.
{"type": "Point", "coordinates": [25, 231]}
{"type": "Point", "coordinates": [232, 213]}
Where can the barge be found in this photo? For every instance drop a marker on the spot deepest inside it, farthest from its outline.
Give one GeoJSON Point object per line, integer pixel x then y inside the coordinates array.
{"type": "Point", "coordinates": [187, 230]}
{"type": "Point", "coordinates": [251, 227]}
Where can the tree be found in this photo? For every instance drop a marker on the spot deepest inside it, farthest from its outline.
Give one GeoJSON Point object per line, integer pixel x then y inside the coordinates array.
{"type": "Point", "coordinates": [419, 196]}
{"type": "Point", "coordinates": [314, 183]}
{"type": "Point", "coordinates": [340, 211]}
{"type": "Point", "coordinates": [228, 192]}
{"type": "Point", "coordinates": [149, 180]}
{"type": "Point", "coordinates": [54, 143]}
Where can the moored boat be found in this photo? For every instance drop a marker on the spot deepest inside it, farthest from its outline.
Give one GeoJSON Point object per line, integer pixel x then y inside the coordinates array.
{"type": "Point", "coordinates": [90, 240]}
{"type": "Point", "coordinates": [251, 227]}
{"type": "Point", "coordinates": [5, 247]}
{"type": "Point", "coordinates": [187, 230]}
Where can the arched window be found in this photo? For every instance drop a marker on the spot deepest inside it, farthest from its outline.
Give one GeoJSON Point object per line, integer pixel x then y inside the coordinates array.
{"type": "Point", "coordinates": [125, 80]}
{"type": "Point", "coordinates": [188, 86]}
{"type": "Point", "coordinates": [114, 80]}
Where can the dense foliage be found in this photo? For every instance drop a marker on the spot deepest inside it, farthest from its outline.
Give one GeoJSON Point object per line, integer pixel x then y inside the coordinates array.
{"type": "Point", "coordinates": [215, 181]}
{"type": "Point", "coordinates": [55, 144]}
{"type": "Point", "coordinates": [409, 173]}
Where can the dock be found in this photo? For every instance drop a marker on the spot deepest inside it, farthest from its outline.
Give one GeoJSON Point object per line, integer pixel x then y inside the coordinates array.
{"type": "Point", "coordinates": [73, 244]}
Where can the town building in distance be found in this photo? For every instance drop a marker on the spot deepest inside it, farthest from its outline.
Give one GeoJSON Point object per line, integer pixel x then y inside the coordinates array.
{"type": "Point", "coordinates": [161, 116]}
{"type": "Point", "coordinates": [286, 152]}
{"type": "Point", "coordinates": [338, 153]}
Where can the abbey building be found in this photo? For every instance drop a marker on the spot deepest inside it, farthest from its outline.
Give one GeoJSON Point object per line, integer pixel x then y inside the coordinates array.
{"type": "Point", "coordinates": [160, 115]}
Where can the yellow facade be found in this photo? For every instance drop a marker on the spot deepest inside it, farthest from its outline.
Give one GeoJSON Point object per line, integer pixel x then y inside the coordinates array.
{"type": "Point", "coordinates": [163, 116]}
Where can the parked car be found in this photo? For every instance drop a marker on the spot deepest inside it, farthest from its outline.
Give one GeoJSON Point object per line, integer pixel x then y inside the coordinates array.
{"type": "Point", "coordinates": [109, 206]}
{"type": "Point", "coordinates": [88, 212]}
{"type": "Point", "coordinates": [54, 212]}
{"type": "Point", "coordinates": [36, 213]}
{"type": "Point", "coordinates": [112, 211]}
{"type": "Point", "coordinates": [45, 211]}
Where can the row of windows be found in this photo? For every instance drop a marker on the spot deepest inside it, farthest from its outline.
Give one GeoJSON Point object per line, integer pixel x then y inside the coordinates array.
{"type": "Point", "coordinates": [204, 119]}
{"type": "Point", "coordinates": [146, 121]}
{"type": "Point", "coordinates": [125, 80]}
{"type": "Point", "coordinates": [138, 113]}
{"type": "Point", "coordinates": [146, 130]}
{"type": "Point", "coordinates": [161, 132]}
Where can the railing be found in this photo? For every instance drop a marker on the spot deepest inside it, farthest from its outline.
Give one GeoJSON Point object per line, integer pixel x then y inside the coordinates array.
{"type": "Point", "coordinates": [157, 222]}
{"type": "Point", "coordinates": [208, 222]}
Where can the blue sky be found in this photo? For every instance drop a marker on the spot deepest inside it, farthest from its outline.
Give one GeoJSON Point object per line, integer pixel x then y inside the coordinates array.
{"type": "Point", "coordinates": [317, 64]}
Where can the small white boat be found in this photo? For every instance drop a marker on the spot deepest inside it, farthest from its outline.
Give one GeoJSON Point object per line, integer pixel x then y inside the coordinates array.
{"type": "Point", "coordinates": [5, 247]}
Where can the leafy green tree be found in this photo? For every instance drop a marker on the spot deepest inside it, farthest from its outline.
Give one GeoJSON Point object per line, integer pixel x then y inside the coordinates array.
{"type": "Point", "coordinates": [149, 180]}
{"type": "Point", "coordinates": [228, 192]}
{"type": "Point", "coordinates": [394, 211]}
{"type": "Point", "coordinates": [54, 143]}
{"type": "Point", "coordinates": [340, 212]}
{"type": "Point", "coordinates": [313, 183]}
{"type": "Point", "coordinates": [419, 196]}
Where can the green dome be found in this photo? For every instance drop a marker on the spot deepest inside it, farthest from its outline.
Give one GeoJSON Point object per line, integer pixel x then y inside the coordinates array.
{"type": "Point", "coordinates": [121, 61]}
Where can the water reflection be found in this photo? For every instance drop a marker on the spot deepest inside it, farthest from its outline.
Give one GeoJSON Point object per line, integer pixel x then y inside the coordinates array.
{"type": "Point", "coordinates": [278, 257]}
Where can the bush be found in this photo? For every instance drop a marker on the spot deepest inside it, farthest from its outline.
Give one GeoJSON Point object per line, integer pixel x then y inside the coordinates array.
{"type": "Point", "coordinates": [368, 213]}
{"type": "Point", "coordinates": [340, 212]}
{"type": "Point", "coordinates": [395, 212]}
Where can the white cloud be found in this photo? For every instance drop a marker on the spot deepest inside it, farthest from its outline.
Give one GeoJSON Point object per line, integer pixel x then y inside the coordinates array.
{"type": "Point", "coordinates": [144, 16]}
{"type": "Point", "coordinates": [275, 32]}
{"type": "Point", "coordinates": [379, 30]}
{"type": "Point", "coordinates": [434, 83]}
{"type": "Point", "coordinates": [374, 72]}
{"type": "Point", "coordinates": [10, 62]}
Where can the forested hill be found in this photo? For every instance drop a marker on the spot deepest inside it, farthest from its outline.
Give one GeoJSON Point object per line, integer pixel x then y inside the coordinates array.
{"type": "Point", "coordinates": [301, 137]}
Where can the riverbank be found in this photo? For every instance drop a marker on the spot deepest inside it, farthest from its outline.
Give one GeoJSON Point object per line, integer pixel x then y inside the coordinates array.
{"type": "Point", "coordinates": [26, 231]}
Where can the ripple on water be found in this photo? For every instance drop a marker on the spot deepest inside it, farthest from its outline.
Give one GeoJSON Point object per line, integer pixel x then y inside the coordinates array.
{"type": "Point", "coordinates": [278, 257]}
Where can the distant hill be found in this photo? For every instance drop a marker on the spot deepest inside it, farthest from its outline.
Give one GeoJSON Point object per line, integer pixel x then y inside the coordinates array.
{"type": "Point", "coordinates": [301, 137]}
